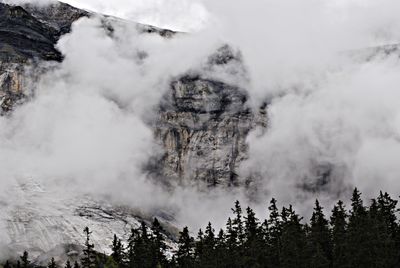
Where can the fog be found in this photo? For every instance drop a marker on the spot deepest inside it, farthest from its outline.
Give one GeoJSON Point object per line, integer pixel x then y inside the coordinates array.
{"type": "Point", "coordinates": [329, 108]}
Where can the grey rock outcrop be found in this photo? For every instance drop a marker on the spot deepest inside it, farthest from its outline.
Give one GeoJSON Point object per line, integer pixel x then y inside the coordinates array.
{"type": "Point", "coordinates": [202, 125]}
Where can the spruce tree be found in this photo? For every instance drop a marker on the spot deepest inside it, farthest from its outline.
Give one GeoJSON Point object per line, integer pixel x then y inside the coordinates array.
{"type": "Point", "coordinates": [117, 250]}
{"type": "Point", "coordinates": [68, 264]}
{"type": "Point", "coordinates": [142, 248]}
{"type": "Point", "coordinates": [199, 247]}
{"type": "Point", "coordinates": [274, 227]}
{"type": "Point", "coordinates": [319, 240]}
{"type": "Point", "coordinates": [220, 250]}
{"type": "Point", "coordinates": [293, 239]}
{"type": "Point", "coordinates": [339, 236]}
{"type": "Point", "coordinates": [253, 247]}
{"type": "Point", "coordinates": [232, 247]}
{"type": "Point", "coordinates": [88, 260]}
{"type": "Point", "coordinates": [184, 255]}
{"type": "Point", "coordinates": [52, 264]}
{"type": "Point", "coordinates": [130, 255]}
{"type": "Point", "coordinates": [358, 233]}
{"type": "Point", "coordinates": [207, 256]}
{"type": "Point", "coordinates": [382, 242]}
{"type": "Point", "coordinates": [237, 222]}
{"type": "Point", "coordinates": [25, 263]}
{"type": "Point", "coordinates": [158, 244]}
{"type": "Point", "coordinates": [7, 264]}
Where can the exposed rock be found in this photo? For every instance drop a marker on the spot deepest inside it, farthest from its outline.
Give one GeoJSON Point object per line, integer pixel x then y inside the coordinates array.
{"type": "Point", "coordinates": [23, 37]}
{"type": "Point", "coordinates": [27, 38]}
{"type": "Point", "coordinates": [56, 225]}
{"type": "Point", "coordinates": [28, 35]}
{"type": "Point", "coordinates": [202, 125]}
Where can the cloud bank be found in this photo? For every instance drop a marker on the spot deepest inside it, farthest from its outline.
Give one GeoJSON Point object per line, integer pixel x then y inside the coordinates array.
{"type": "Point", "coordinates": [333, 114]}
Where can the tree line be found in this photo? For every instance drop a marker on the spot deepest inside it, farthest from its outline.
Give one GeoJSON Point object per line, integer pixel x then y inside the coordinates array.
{"type": "Point", "coordinates": [362, 236]}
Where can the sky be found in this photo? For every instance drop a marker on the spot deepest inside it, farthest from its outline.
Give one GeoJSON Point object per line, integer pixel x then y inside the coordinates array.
{"type": "Point", "coordinates": [182, 15]}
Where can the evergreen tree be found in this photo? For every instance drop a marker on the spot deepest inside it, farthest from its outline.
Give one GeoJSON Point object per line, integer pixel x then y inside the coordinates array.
{"type": "Point", "coordinates": [158, 244]}
{"type": "Point", "coordinates": [273, 237]}
{"type": "Point", "coordinates": [237, 223]}
{"type": "Point", "coordinates": [253, 247]}
{"type": "Point", "coordinates": [232, 248]}
{"type": "Point", "coordinates": [117, 250]}
{"type": "Point", "coordinates": [319, 240]}
{"type": "Point", "coordinates": [68, 264]}
{"type": "Point", "coordinates": [88, 260]}
{"type": "Point", "coordinates": [52, 264]}
{"type": "Point", "coordinates": [221, 250]}
{"type": "Point", "coordinates": [293, 239]}
{"type": "Point", "coordinates": [382, 242]}
{"type": "Point", "coordinates": [339, 236]}
{"type": "Point", "coordinates": [387, 209]}
{"type": "Point", "coordinates": [199, 247]}
{"type": "Point", "coordinates": [25, 263]}
{"type": "Point", "coordinates": [142, 249]}
{"type": "Point", "coordinates": [131, 247]}
{"type": "Point", "coordinates": [359, 233]}
{"type": "Point", "coordinates": [235, 235]}
{"type": "Point", "coordinates": [111, 263]}
{"type": "Point", "coordinates": [184, 255]}
{"type": "Point", "coordinates": [7, 264]}
{"type": "Point", "coordinates": [207, 257]}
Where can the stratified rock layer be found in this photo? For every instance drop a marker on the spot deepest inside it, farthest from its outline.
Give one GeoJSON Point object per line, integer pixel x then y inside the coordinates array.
{"type": "Point", "coordinates": [203, 126]}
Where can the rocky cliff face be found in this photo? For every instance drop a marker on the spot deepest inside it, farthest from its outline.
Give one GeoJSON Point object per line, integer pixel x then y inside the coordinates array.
{"type": "Point", "coordinates": [27, 36]}
{"type": "Point", "coordinates": [202, 124]}
{"type": "Point", "coordinates": [203, 127]}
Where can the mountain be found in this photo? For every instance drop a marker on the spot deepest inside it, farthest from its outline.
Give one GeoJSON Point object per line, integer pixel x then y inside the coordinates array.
{"type": "Point", "coordinates": [202, 124]}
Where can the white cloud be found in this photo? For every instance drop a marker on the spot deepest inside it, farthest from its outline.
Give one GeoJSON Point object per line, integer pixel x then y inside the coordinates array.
{"type": "Point", "coordinates": [326, 109]}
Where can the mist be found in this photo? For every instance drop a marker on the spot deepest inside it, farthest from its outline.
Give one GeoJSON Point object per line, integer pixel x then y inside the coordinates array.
{"type": "Point", "coordinates": [329, 110]}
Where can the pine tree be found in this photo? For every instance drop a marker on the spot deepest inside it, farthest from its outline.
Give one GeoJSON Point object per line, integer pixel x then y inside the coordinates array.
{"type": "Point", "coordinates": [7, 264]}
{"type": "Point", "coordinates": [68, 264]}
{"type": "Point", "coordinates": [142, 248]}
{"type": "Point", "coordinates": [339, 236]}
{"type": "Point", "coordinates": [207, 258]}
{"type": "Point", "coordinates": [117, 250]}
{"type": "Point", "coordinates": [253, 247]}
{"type": "Point", "coordinates": [25, 263]}
{"type": "Point", "coordinates": [237, 223]}
{"type": "Point", "coordinates": [52, 264]}
{"type": "Point", "coordinates": [382, 221]}
{"type": "Point", "coordinates": [319, 241]}
{"type": "Point", "coordinates": [293, 253]}
{"type": "Point", "coordinates": [130, 254]}
{"type": "Point", "coordinates": [199, 247]}
{"type": "Point", "coordinates": [231, 236]}
{"type": "Point", "coordinates": [359, 233]}
{"type": "Point", "coordinates": [158, 244]}
{"type": "Point", "coordinates": [88, 260]}
{"type": "Point", "coordinates": [274, 226]}
{"type": "Point", "coordinates": [184, 255]}
{"type": "Point", "coordinates": [221, 250]}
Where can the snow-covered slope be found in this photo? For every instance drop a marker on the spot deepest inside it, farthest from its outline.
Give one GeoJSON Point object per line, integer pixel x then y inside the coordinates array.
{"type": "Point", "coordinates": [43, 222]}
